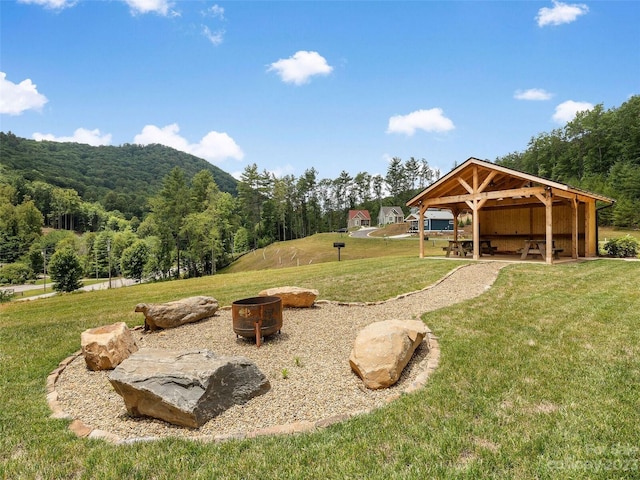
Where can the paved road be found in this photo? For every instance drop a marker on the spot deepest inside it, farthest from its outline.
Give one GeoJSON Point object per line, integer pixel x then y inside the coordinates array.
{"type": "Point", "coordinates": [362, 233]}
{"type": "Point", "coordinates": [115, 283]}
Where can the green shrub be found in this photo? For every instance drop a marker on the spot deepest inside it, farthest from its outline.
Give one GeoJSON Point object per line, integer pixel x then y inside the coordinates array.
{"type": "Point", "coordinates": [65, 270]}
{"type": "Point", "coordinates": [622, 247]}
{"type": "Point", "coordinates": [15, 273]}
{"type": "Point", "coordinates": [133, 260]}
{"type": "Point", "coordinates": [6, 295]}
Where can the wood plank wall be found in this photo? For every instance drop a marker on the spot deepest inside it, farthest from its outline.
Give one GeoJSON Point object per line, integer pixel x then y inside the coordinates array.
{"type": "Point", "coordinates": [508, 228]}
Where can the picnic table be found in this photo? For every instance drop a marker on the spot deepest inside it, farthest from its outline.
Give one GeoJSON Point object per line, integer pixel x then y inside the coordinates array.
{"type": "Point", "coordinates": [539, 247]}
{"type": "Point", "coordinates": [462, 247]}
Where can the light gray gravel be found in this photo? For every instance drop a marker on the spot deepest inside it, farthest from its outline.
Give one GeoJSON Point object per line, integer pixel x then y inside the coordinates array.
{"type": "Point", "coordinates": [312, 352]}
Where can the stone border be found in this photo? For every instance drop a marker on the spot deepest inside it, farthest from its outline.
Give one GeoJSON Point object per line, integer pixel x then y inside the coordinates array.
{"type": "Point", "coordinates": [428, 365]}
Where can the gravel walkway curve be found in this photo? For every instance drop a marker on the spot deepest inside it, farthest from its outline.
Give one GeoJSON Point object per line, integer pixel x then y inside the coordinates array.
{"type": "Point", "coordinates": [312, 352]}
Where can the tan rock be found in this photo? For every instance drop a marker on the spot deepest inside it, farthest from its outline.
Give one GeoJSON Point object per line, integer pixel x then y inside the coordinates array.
{"type": "Point", "coordinates": [382, 350]}
{"type": "Point", "coordinates": [104, 348]}
{"type": "Point", "coordinates": [293, 297]}
{"type": "Point", "coordinates": [179, 312]}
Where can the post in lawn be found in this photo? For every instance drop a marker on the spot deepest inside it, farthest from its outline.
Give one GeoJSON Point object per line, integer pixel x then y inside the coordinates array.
{"type": "Point", "coordinates": [338, 245]}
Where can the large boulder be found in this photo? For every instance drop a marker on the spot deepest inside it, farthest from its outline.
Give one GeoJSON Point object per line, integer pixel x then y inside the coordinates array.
{"type": "Point", "coordinates": [295, 297]}
{"type": "Point", "coordinates": [382, 350]}
{"type": "Point", "coordinates": [104, 348]}
{"type": "Point", "coordinates": [179, 312]}
{"type": "Point", "coordinates": [185, 388]}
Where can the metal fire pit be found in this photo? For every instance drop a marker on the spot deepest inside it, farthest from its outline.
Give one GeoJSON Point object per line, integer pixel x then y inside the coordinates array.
{"type": "Point", "coordinates": [257, 317]}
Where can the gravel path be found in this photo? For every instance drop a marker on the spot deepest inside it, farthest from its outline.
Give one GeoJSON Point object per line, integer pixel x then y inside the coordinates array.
{"type": "Point", "coordinates": [312, 352]}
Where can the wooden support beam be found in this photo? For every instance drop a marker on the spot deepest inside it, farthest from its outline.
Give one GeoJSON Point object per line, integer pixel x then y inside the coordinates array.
{"type": "Point", "coordinates": [549, 229]}
{"type": "Point", "coordinates": [487, 181]}
{"type": "Point", "coordinates": [574, 227]}
{"type": "Point", "coordinates": [518, 192]}
{"type": "Point", "coordinates": [590, 247]}
{"type": "Point", "coordinates": [476, 230]}
{"type": "Point", "coordinates": [466, 186]}
{"type": "Point", "coordinates": [421, 212]}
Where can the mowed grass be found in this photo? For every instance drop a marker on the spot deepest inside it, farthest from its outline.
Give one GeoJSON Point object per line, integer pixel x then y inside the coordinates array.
{"type": "Point", "coordinates": [539, 378]}
{"type": "Point", "coordinates": [319, 249]}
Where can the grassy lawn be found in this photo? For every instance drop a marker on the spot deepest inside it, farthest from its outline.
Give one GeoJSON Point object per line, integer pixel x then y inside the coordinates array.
{"type": "Point", "coordinates": [607, 233]}
{"type": "Point", "coordinates": [539, 378]}
{"type": "Point", "coordinates": [319, 249]}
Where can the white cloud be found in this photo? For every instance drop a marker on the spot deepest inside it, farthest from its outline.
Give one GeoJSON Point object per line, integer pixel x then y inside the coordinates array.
{"type": "Point", "coordinates": [560, 13]}
{"type": "Point", "coordinates": [431, 120]}
{"type": "Point", "coordinates": [161, 7]}
{"type": "Point", "coordinates": [532, 94]}
{"type": "Point", "coordinates": [18, 98]}
{"type": "Point", "coordinates": [566, 111]}
{"type": "Point", "coordinates": [214, 146]}
{"type": "Point", "coordinates": [299, 68]}
{"type": "Point", "coordinates": [282, 170]}
{"type": "Point", "coordinates": [52, 4]}
{"type": "Point", "coordinates": [215, 11]}
{"type": "Point", "coordinates": [214, 37]}
{"type": "Point", "coordinates": [81, 135]}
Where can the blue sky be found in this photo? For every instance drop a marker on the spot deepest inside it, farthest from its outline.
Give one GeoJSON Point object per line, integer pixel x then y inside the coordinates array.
{"type": "Point", "coordinates": [325, 84]}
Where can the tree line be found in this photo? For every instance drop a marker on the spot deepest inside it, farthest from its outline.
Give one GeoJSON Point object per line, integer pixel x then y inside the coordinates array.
{"type": "Point", "coordinates": [116, 177]}
{"type": "Point", "coordinates": [599, 151]}
{"type": "Point", "coordinates": [191, 227]}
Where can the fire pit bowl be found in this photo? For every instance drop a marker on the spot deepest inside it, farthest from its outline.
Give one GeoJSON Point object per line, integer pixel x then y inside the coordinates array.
{"type": "Point", "coordinates": [257, 317]}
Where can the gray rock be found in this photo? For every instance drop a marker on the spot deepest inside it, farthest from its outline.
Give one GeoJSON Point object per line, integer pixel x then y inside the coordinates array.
{"type": "Point", "coordinates": [185, 388]}
{"type": "Point", "coordinates": [176, 313]}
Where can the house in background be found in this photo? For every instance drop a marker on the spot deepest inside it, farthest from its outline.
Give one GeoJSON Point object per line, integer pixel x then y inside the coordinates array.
{"type": "Point", "coordinates": [358, 218]}
{"type": "Point", "coordinates": [435, 219]}
{"type": "Point", "coordinates": [388, 215]}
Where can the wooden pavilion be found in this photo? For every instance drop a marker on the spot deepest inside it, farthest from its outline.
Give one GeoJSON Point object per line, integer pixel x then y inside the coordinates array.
{"type": "Point", "coordinates": [512, 209]}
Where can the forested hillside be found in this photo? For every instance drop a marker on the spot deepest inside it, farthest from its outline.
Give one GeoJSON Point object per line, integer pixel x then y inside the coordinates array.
{"type": "Point", "coordinates": [119, 178]}
{"type": "Point", "coordinates": [599, 151]}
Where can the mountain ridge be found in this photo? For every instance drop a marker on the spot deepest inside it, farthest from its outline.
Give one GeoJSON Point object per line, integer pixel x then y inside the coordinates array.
{"type": "Point", "coordinates": [132, 172]}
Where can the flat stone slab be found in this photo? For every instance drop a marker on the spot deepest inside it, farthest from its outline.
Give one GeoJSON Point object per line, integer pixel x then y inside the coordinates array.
{"type": "Point", "coordinates": [185, 388]}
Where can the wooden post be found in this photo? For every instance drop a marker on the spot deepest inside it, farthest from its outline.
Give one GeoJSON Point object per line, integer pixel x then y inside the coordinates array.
{"type": "Point", "coordinates": [421, 213]}
{"type": "Point", "coordinates": [476, 215]}
{"type": "Point", "coordinates": [574, 227]}
{"type": "Point", "coordinates": [455, 212]}
{"type": "Point", "coordinates": [547, 200]}
{"type": "Point", "coordinates": [590, 247]}
{"type": "Point", "coordinates": [549, 228]}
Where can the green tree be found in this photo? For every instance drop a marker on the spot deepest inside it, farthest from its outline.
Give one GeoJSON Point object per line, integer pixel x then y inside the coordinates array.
{"type": "Point", "coordinates": [252, 192]}
{"type": "Point", "coordinates": [134, 259]}
{"type": "Point", "coordinates": [170, 209]}
{"type": "Point", "coordinates": [196, 231]}
{"type": "Point", "coordinates": [395, 178]}
{"type": "Point", "coordinates": [65, 270]}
